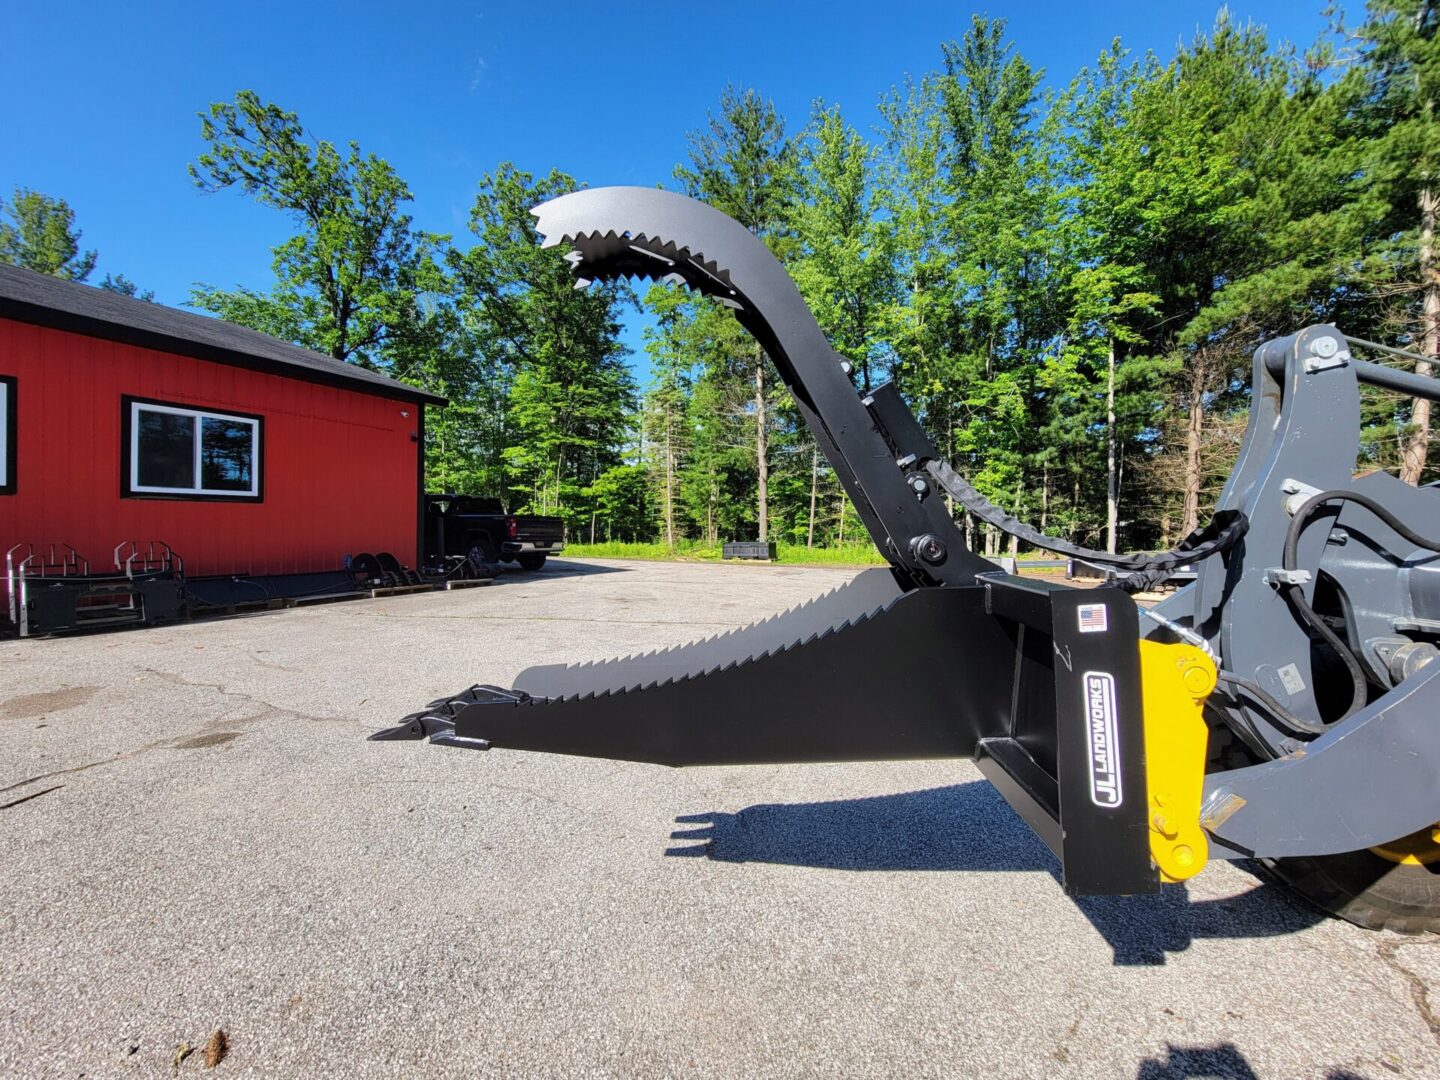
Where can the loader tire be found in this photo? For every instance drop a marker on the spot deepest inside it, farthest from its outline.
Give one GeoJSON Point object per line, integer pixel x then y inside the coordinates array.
{"type": "Point", "coordinates": [1366, 889]}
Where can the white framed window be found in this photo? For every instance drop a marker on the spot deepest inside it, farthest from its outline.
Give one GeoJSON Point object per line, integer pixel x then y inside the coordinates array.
{"type": "Point", "coordinates": [7, 434]}
{"type": "Point", "coordinates": [180, 452]}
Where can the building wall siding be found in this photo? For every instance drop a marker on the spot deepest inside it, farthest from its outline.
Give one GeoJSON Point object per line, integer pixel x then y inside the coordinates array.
{"type": "Point", "coordinates": [340, 466]}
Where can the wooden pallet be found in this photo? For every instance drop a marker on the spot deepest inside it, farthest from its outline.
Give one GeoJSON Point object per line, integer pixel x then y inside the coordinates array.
{"type": "Point", "coordinates": [468, 583]}
{"type": "Point", "coordinates": [243, 607]}
{"type": "Point", "coordinates": [323, 598]}
{"type": "Point", "coordinates": [396, 590]}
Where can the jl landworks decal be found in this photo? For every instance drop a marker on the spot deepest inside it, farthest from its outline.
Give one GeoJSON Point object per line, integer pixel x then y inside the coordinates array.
{"type": "Point", "coordinates": [1100, 715]}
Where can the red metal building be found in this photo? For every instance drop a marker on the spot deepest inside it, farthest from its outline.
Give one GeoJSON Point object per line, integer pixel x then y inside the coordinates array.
{"type": "Point", "coordinates": [124, 420]}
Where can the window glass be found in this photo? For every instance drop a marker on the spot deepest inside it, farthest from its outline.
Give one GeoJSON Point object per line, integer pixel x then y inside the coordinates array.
{"type": "Point", "coordinates": [178, 451]}
{"type": "Point", "coordinates": [227, 453]}
{"type": "Point", "coordinates": [5, 464]}
{"type": "Point", "coordinates": [165, 445]}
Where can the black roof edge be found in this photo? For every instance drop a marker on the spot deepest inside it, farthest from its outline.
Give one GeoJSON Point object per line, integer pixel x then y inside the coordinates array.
{"type": "Point", "coordinates": [363, 380]}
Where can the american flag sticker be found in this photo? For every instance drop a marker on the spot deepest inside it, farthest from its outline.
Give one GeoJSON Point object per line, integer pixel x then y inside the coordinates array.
{"type": "Point", "coordinates": [1093, 619]}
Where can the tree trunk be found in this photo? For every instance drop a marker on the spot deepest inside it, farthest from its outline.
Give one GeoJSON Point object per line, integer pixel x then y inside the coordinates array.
{"type": "Point", "coordinates": [1417, 446]}
{"type": "Point", "coordinates": [1014, 541]}
{"type": "Point", "coordinates": [1045, 497]}
{"type": "Point", "coordinates": [762, 466]}
{"type": "Point", "coordinates": [1074, 497]}
{"type": "Point", "coordinates": [814, 481]}
{"type": "Point", "coordinates": [669, 483]}
{"type": "Point", "coordinates": [545, 495]}
{"type": "Point", "coordinates": [1112, 475]}
{"type": "Point", "coordinates": [1120, 478]}
{"type": "Point", "coordinates": [1194, 431]}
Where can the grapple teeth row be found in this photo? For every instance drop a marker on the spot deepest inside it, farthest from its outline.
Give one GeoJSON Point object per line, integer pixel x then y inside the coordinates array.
{"type": "Point", "coordinates": [651, 682]}
{"type": "Point", "coordinates": [616, 254]}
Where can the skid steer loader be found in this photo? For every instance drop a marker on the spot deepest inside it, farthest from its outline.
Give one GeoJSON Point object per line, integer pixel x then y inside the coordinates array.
{"type": "Point", "coordinates": [1284, 707]}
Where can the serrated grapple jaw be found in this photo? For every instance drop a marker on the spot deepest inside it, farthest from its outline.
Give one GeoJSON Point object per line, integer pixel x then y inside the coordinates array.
{"type": "Point", "coordinates": [614, 233]}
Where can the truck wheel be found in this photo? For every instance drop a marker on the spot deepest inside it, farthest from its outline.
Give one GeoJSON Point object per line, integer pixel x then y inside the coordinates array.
{"type": "Point", "coordinates": [531, 562]}
{"type": "Point", "coordinates": [1392, 887]}
{"type": "Point", "coordinates": [482, 553]}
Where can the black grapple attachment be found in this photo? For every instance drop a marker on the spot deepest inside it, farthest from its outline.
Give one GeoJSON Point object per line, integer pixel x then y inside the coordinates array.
{"type": "Point", "coordinates": [939, 656]}
{"type": "Point", "coordinates": [1319, 619]}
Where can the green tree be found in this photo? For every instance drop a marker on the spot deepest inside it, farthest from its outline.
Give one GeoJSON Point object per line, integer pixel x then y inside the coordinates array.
{"type": "Point", "coordinates": [354, 275]}
{"type": "Point", "coordinates": [41, 235]}
{"type": "Point", "coordinates": [744, 164]}
{"type": "Point", "coordinates": [620, 497]}
{"type": "Point", "coordinates": [717, 481]}
{"type": "Point", "coordinates": [844, 264]}
{"type": "Point", "coordinates": [569, 393]}
{"type": "Point", "coordinates": [1104, 355]}
{"type": "Point", "coordinates": [922, 328]}
{"type": "Point", "coordinates": [1398, 129]}
{"type": "Point", "coordinates": [119, 283]}
{"type": "Point", "coordinates": [1180, 190]}
{"type": "Point", "coordinates": [665, 420]}
{"type": "Point", "coordinates": [1003, 207]}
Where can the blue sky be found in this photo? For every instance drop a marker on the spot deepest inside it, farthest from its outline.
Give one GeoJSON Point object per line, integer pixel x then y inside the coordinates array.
{"type": "Point", "coordinates": [101, 98]}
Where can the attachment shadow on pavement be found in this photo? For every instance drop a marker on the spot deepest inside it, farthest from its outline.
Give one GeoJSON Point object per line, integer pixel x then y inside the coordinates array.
{"type": "Point", "coordinates": [969, 827]}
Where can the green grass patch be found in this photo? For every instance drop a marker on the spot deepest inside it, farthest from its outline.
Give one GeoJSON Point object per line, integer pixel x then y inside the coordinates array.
{"type": "Point", "coordinates": [789, 554]}
{"type": "Point", "coordinates": [694, 551]}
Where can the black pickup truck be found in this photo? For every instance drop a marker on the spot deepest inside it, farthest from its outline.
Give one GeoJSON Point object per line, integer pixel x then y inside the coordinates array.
{"type": "Point", "coordinates": [480, 528]}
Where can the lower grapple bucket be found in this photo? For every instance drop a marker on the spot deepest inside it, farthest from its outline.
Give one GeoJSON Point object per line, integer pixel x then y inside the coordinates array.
{"type": "Point", "coordinates": [1010, 673]}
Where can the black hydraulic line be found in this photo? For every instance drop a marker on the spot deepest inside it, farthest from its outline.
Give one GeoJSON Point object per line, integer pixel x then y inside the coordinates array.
{"type": "Point", "coordinates": [1404, 382]}
{"type": "Point", "coordinates": [1394, 350]}
{"type": "Point", "coordinates": [1297, 725]}
{"type": "Point", "coordinates": [1239, 722]}
{"type": "Point", "coordinates": [1296, 596]}
{"type": "Point", "coordinates": [1223, 533]}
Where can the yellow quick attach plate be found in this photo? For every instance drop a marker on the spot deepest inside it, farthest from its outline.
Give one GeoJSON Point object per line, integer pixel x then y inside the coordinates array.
{"type": "Point", "coordinates": [1176, 679]}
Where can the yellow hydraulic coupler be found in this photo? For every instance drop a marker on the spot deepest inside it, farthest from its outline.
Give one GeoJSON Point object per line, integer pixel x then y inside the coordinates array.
{"type": "Point", "coordinates": [1176, 679]}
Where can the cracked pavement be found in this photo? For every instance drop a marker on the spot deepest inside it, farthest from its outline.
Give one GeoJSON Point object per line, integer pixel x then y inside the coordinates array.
{"type": "Point", "coordinates": [194, 834]}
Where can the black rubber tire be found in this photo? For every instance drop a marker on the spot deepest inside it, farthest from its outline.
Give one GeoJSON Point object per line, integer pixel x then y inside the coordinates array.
{"type": "Point", "coordinates": [531, 562]}
{"type": "Point", "coordinates": [367, 565]}
{"type": "Point", "coordinates": [482, 551]}
{"type": "Point", "coordinates": [1367, 890]}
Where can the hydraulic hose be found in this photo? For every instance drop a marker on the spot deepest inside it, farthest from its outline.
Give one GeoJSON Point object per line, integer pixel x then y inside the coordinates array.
{"type": "Point", "coordinates": [1223, 533]}
{"type": "Point", "coordinates": [1296, 596]}
{"type": "Point", "coordinates": [1272, 704]}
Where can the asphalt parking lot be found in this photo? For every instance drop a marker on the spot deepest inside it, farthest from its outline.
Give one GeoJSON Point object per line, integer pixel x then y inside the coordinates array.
{"type": "Point", "coordinates": [194, 834]}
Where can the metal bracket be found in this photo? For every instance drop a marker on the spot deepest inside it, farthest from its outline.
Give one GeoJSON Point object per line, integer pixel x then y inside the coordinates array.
{"type": "Point", "coordinates": [1326, 352]}
{"type": "Point", "coordinates": [1297, 493]}
{"type": "Point", "coordinates": [1276, 575]}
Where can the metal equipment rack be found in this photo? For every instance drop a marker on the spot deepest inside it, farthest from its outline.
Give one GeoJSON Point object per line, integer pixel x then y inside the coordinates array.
{"type": "Point", "coordinates": [50, 587]}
